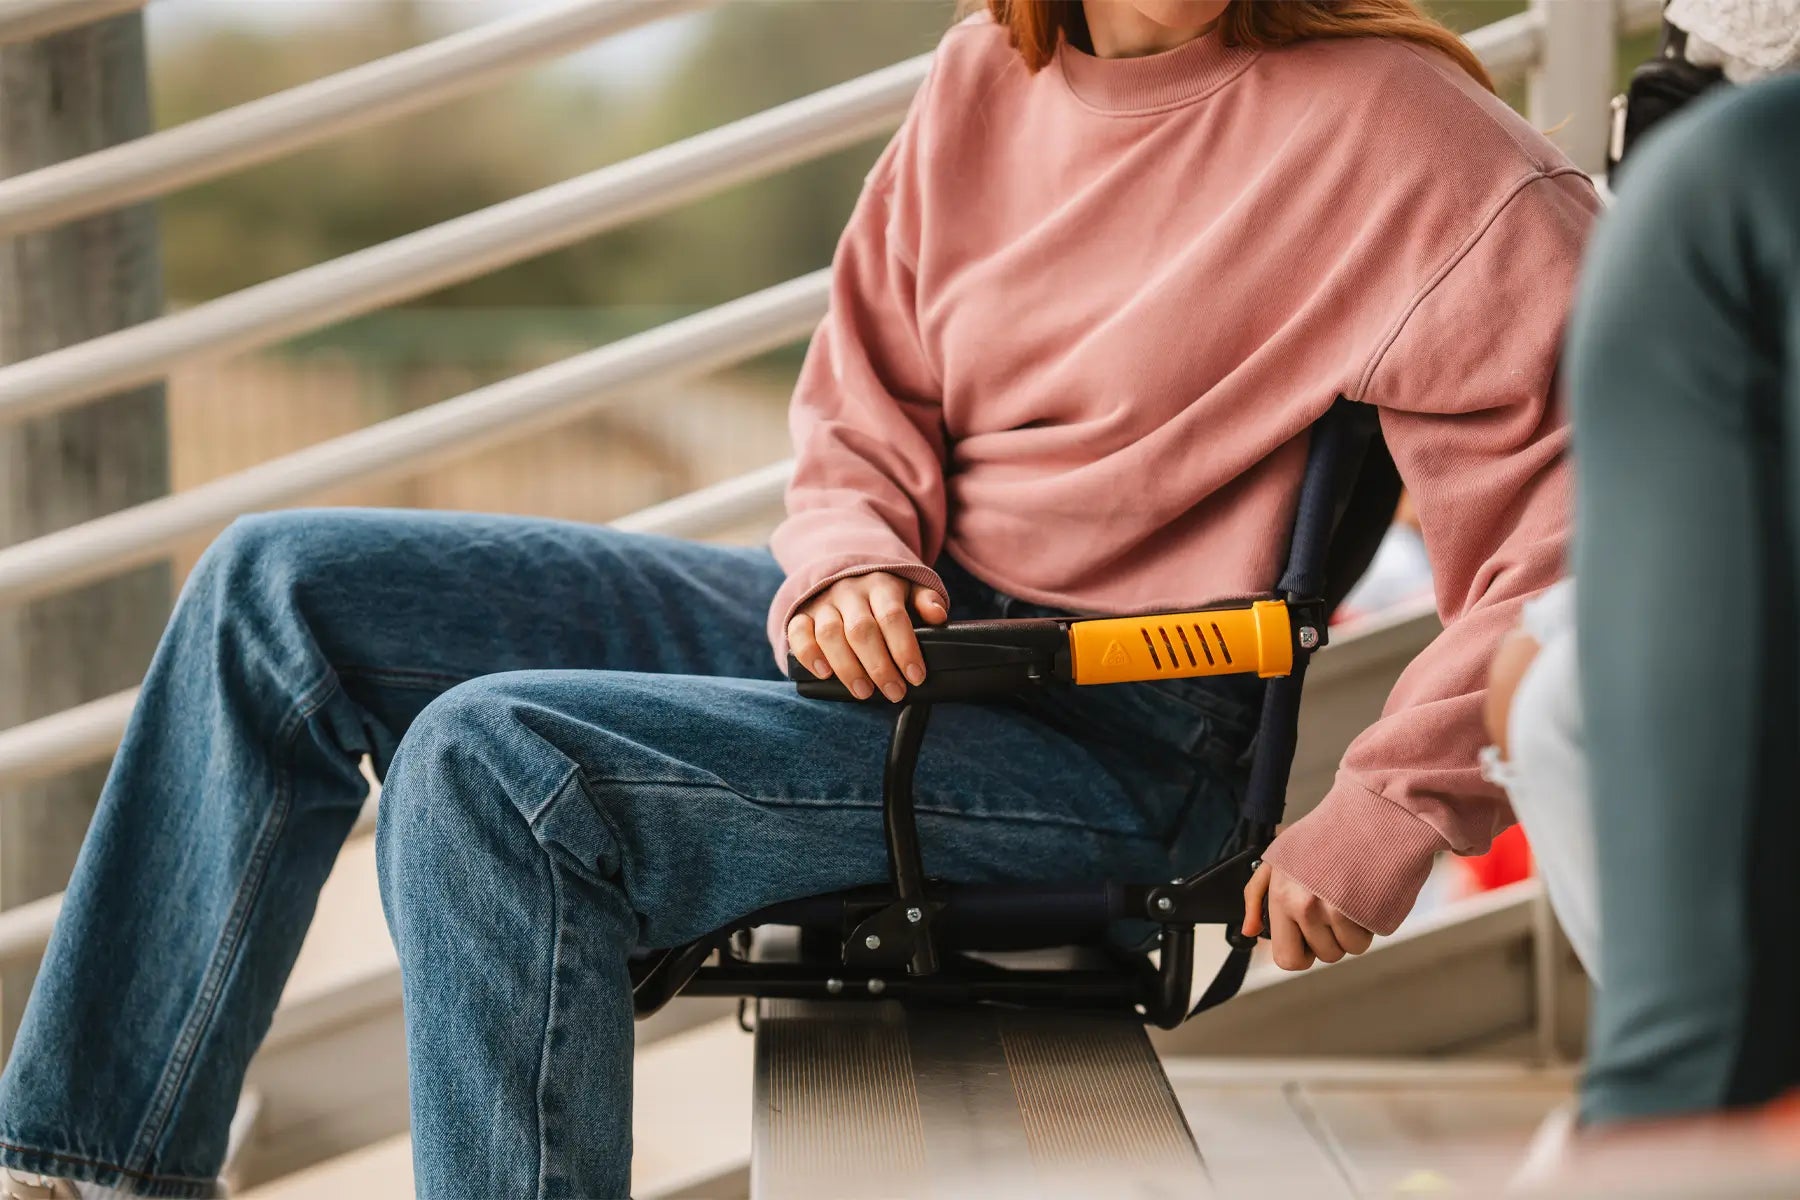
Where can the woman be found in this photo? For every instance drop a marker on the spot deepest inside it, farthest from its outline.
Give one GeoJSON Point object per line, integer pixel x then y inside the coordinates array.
{"type": "Point", "coordinates": [1114, 264]}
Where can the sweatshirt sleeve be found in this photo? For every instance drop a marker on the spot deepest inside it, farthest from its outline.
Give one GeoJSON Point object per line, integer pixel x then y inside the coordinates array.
{"type": "Point", "coordinates": [1466, 387]}
{"type": "Point", "coordinates": [868, 490]}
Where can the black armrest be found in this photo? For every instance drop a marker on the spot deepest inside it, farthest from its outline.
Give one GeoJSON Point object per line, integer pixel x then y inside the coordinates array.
{"type": "Point", "coordinates": [968, 660]}
{"type": "Point", "coordinates": [978, 660]}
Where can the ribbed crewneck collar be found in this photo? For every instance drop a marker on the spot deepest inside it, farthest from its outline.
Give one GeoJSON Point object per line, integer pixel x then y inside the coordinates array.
{"type": "Point", "coordinates": [1191, 71]}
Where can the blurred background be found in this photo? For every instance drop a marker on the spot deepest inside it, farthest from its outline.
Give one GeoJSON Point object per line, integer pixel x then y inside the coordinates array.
{"type": "Point", "coordinates": [634, 93]}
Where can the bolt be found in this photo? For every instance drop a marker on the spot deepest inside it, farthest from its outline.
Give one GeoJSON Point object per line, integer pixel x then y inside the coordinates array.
{"type": "Point", "coordinates": [872, 942]}
{"type": "Point", "coordinates": [915, 915]}
{"type": "Point", "coordinates": [1164, 904]}
{"type": "Point", "coordinates": [834, 986]}
{"type": "Point", "coordinates": [1309, 638]}
{"type": "Point", "coordinates": [876, 987]}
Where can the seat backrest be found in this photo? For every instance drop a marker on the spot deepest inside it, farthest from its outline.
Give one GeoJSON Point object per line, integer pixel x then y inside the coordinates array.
{"type": "Point", "coordinates": [1370, 502]}
{"type": "Point", "coordinates": [1348, 497]}
{"type": "Point", "coordinates": [1347, 501]}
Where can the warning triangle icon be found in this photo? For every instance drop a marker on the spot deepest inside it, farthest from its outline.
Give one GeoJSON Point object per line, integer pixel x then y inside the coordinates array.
{"type": "Point", "coordinates": [1115, 655]}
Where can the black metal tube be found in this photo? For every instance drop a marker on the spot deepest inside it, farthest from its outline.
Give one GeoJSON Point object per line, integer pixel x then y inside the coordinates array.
{"type": "Point", "coordinates": [900, 822]}
{"type": "Point", "coordinates": [1174, 977]}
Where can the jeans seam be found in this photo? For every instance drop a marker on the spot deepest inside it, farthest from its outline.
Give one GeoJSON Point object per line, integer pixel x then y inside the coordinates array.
{"type": "Point", "coordinates": [596, 781]}
{"type": "Point", "coordinates": [225, 953]}
{"type": "Point", "coordinates": [556, 923]}
{"type": "Point", "coordinates": [556, 926]}
{"type": "Point", "coordinates": [403, 675]}
{"type": "Point", "coordinates": [83, 1160]}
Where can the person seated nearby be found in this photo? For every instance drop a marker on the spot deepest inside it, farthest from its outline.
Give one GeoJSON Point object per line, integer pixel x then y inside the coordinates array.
{"type": "Point", "coordinates": [1534, 711]}
{"type": "Point", "coordinates": [1684, 379]}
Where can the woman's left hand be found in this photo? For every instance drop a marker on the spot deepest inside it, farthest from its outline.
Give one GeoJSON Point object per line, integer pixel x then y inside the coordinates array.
{"type": "Point", "coordinates": [1302, 927]}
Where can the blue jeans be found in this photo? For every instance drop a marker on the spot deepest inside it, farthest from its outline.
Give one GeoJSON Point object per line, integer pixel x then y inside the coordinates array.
{"type": "Point", "coordinates": [585, 748]}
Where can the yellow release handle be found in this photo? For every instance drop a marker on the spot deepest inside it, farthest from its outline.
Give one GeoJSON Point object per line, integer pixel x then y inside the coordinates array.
{"type": "Point", "coordinates": [1222, 641]}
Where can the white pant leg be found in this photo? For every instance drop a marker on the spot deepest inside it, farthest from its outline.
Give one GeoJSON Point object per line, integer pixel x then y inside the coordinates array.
{"type": "Point", "coordinates": [1546, 777]}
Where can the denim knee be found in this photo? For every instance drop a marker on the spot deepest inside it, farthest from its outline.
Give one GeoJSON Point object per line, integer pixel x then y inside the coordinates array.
{"type": "Point", "coordinates": [275, 553]}
{"type": "Point", "coordinates": [473, 781]}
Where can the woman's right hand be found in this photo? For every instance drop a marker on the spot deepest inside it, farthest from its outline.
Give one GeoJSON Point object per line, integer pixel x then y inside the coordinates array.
{"type": "Point", "coordinates": [860, 629]}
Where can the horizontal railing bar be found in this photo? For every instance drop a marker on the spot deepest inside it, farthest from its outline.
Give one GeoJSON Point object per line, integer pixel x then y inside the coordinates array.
{"type": "Point", "coordinates": [256, 132]}
{"type": "Point", "coordinates": [25, 930]}
{"type": "Point", "coordinates": [701, 512]}
{"type": "Point", "coordinates": [88, 733]}
{"type": "Point", "coordinates": [71, 738]}
{"type": "Point", "coordinates": [1512, 45]}
{"type": "Point", "coordinates": [504, 411]}
{"type": "Point", "coordinates": [468, 246]}
{"type": "Point", "coordinates": [23, 20]}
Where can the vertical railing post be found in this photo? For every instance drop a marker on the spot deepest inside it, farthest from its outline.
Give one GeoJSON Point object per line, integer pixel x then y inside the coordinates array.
{"type": "Point", "coordinates": [62, 96]}
{"type": "Point", "coordinates": [1572, 84]}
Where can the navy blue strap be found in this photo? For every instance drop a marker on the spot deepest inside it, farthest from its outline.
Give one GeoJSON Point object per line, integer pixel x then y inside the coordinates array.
{"type": "Point", "coordinates": [1335, 454]}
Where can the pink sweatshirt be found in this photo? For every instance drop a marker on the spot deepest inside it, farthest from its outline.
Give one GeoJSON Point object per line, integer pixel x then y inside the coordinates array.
{"type": "Point", "coordinates": [1081, 322]}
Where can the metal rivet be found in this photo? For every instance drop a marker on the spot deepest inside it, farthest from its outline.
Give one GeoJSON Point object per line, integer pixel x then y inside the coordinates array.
{"type": "Point", "coordinates": [872, 942]}
{"type": "Point", "coordinates": [914, 915]}
{"type": "Point", "coordinates": [1309, 638]}
{"type": "Point", "coordinates": [1164, 904]}
{"type": "Point", "coordinates": [876, 987]}
{"type": "Point", "coordinates": [834, 986]}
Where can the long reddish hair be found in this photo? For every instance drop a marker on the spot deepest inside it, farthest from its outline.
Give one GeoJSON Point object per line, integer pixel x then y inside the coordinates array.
{"type": "Point", "coordinates": [1037, 25]}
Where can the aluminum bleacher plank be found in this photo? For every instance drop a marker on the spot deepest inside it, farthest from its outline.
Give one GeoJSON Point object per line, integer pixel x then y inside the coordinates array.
{"type": "Point", "coordinates": [1339, 1128]}
{"type": "Point", "coordinates": [1391, 1140]}
{"type": "Point", "coordinates": [1255, 1143]}
{"type": "Point", "coordinates": [863, 1100]}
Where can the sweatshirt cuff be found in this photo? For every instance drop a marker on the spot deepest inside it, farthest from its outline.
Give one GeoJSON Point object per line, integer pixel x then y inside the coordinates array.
{"type": "Point", "coordinates": [794, 595]}
{"type": "Point", "coordinates": [1361, 853]}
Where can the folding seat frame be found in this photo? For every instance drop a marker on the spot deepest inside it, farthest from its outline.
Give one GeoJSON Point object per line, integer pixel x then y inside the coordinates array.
{"type": "Point", "coordinates": [918, 940]}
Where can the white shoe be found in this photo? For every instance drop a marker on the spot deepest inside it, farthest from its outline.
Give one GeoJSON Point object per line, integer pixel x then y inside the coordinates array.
{"type": "Point", "coordinates": [1549, 1150]}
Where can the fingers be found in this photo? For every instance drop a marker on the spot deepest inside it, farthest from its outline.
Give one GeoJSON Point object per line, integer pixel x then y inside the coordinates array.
{"type": "Point", "coordinates": [829, 629]}
{"type": "Point", "coordinates": [861, 630]}
{"type": "Point", "coordinates": [1313, 917]}
{"type": "Point", "coordinates": [887, 601]}
{"type": "Point", "coordinates": [929, 605]}
{"type": "Point", "coordinates": [805, 647]}
{"type": "Point", "coordinates": [1291, 951]}
{"type": "Point", "coordinates": [1351, 936]}
{"type": "Point", "coordinates": [869, 640]}
{"type": "Point", "coordinates": [1304, 926]}
{"type": "Point", "coordinates": [1256, 895]}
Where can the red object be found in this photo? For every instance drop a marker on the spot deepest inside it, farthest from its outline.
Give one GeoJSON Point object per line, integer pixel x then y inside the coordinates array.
{"type": "Point", "coordinates": [1507, 861]}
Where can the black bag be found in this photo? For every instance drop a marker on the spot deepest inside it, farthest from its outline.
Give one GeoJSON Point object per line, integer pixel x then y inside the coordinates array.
{"type": "Point", "coordinates": [1659, 88]}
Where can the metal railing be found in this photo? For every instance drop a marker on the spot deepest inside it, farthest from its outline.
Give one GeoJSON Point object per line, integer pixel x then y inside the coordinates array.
{"type": "Point", "coordinates": [268, 128]}
{"type": "Point", "coordinates": [466, 247]}
{"type": "Point", "coordinates": [1565, 47]}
